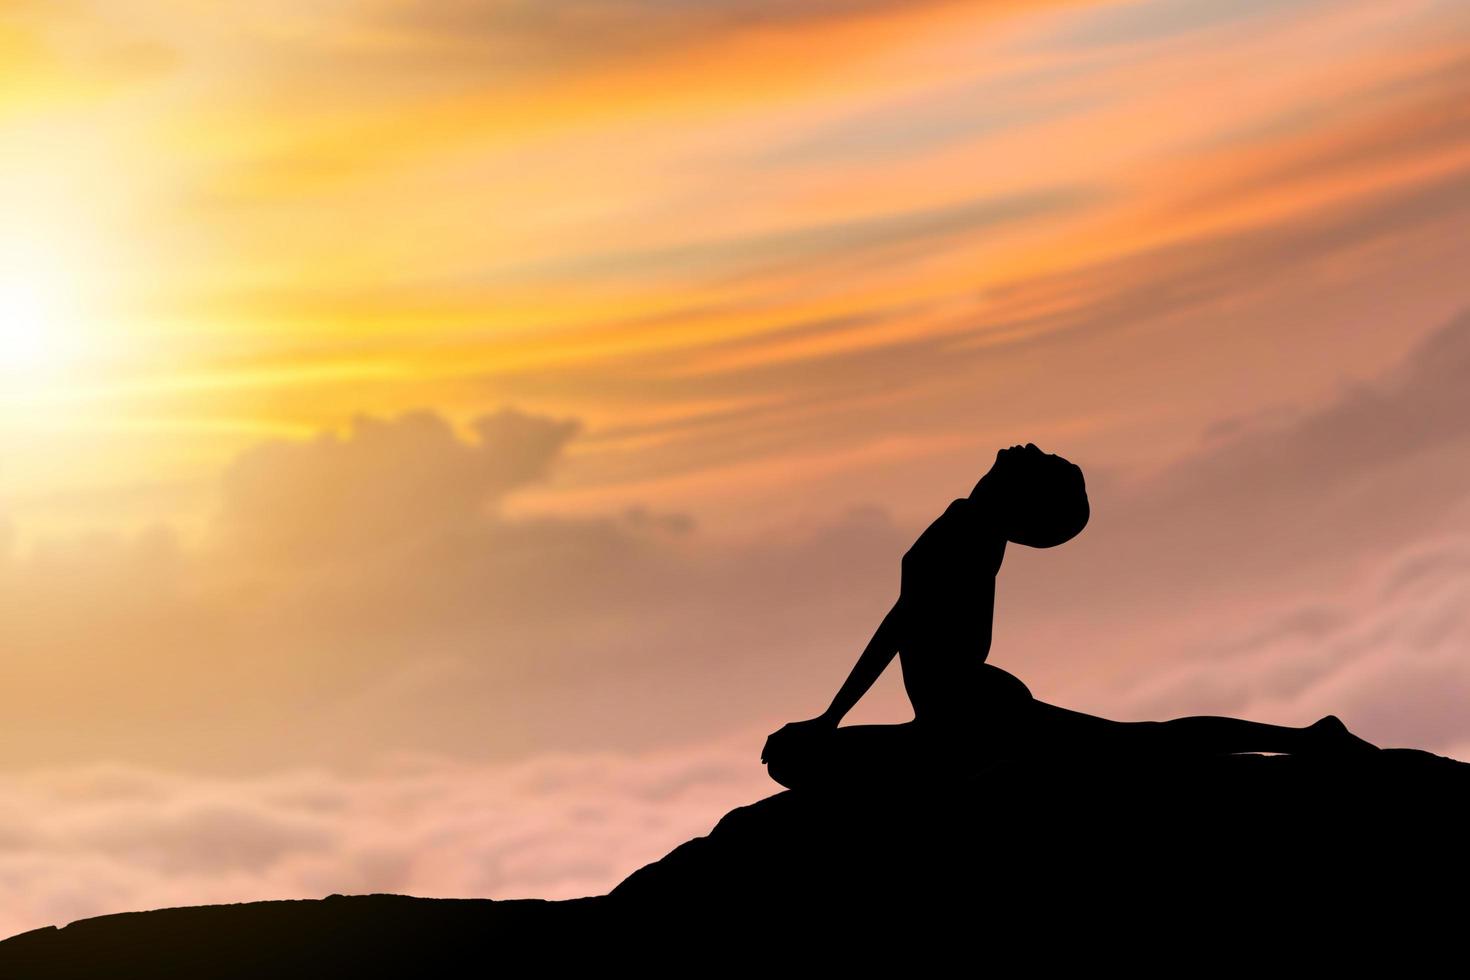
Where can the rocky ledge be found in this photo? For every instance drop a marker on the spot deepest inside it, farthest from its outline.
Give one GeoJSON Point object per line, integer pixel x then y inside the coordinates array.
{"type": "Point", "coordinates": [1066, 864]}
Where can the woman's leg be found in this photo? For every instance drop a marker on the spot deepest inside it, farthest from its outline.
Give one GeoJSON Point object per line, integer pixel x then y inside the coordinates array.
{"type": "Point", "coordinates": [1214, 734]}
{"type": "Point", "coordinates": [855, 755]}
{"type": "Point", "coordinates": [1061, 730]}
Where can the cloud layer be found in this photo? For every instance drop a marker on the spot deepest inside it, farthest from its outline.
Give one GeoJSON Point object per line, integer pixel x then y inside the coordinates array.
{"type": "Point", "coordinates": [368, 591]}
{"type": "Point", "coordinates": [517, 706]}
{"type": "Point", "coordinates": [99, 839]}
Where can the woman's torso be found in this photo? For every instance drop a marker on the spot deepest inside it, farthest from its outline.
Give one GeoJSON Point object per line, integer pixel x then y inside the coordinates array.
{"type": "Point", "coordinates": [948, 595]}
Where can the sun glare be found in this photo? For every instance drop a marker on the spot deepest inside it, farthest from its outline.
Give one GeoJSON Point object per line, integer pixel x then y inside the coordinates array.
{"type": "Point", "coordinates": [33, 320]}
{"type": "Point", "coordinates": [25, 323]}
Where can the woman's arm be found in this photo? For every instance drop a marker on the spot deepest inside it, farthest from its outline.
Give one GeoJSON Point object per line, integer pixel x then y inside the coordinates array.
{"type": "Point", "coordinates": [874, 660]}
{"type": "Point", "coordinates": [875, 657]}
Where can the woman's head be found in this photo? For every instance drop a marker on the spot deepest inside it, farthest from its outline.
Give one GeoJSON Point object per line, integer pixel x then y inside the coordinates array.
{"type": "Point", "coordinates": [1040, 499]}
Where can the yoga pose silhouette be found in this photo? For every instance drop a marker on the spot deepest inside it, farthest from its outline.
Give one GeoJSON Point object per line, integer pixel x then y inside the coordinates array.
{"type": "Point", "coordinates": [968, 712]}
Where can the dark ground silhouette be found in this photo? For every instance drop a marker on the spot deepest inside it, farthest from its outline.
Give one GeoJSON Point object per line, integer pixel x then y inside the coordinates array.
{"type": "Point", "coordinates": [1270, 863]}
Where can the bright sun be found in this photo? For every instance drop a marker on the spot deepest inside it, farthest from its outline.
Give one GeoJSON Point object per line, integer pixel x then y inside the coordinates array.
{"type": "Point", "coordinates": [24, 323]}
{"type": "Point", "coordinates": [32, 321]}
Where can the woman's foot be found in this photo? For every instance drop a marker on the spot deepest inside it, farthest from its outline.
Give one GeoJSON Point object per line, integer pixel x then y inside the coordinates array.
{"type": "Point", "coordinates": [1329, 736]}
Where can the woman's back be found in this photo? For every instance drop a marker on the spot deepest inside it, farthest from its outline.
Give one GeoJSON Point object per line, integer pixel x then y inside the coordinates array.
{"type": "Point", "coordinates": [947, 602]}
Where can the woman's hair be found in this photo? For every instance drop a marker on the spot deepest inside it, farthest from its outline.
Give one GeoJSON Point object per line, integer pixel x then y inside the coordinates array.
{"type": "Point", "coordinates": [1043, 498]}
{"type": "Point", "coordinates": [1056, 509]}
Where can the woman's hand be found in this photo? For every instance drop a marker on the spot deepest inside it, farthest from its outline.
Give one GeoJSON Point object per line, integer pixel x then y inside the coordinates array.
{"type": "Point", "coordinates": [797, 731]}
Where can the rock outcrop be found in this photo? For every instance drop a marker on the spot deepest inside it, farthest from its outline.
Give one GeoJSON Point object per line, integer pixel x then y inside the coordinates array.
{"type": "Point", "coordinates": [1308, 861]}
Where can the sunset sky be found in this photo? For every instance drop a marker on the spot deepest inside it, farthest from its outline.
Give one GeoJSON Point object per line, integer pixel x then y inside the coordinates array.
{"type": "Point", "coordinates": [439, 440]}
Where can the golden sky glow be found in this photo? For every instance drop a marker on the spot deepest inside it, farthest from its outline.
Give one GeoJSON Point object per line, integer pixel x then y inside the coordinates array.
{"type": "Point", "coordinates": [267, 220]}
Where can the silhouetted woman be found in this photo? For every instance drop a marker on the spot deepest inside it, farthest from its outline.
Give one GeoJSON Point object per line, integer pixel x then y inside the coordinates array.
{"type": "Point", "coordinates": [965, 710]}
